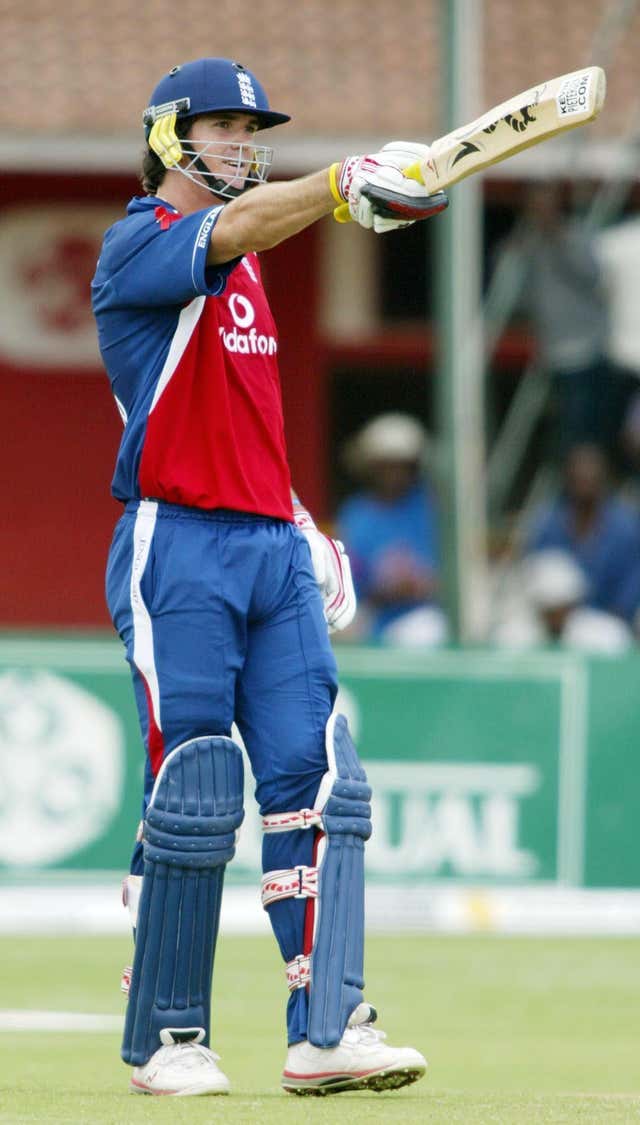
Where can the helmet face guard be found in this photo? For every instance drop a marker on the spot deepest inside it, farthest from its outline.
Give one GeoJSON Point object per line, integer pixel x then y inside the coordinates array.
{"type": "Point", "coordinates": [210, 86]}
{"type": "Point", "coordinates": [240, 165]}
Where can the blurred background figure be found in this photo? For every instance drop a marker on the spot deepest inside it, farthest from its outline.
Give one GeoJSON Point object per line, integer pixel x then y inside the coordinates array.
{"type": "Point", "coordinates": [565, 299]}
{"type": "Point", "coordinates": [598, 529]}
{"type": "Point", "coordinates": [630, 450]}
{"type": "Point", "coordinates": [390, 531]}
{"type": "Point", "coordinates": [552, 609]}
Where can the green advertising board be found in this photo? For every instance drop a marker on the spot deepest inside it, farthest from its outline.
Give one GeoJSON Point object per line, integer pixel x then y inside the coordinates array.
{"type": "Point", "coordinates": [486, 768]}
{"type": "Point", "coordinates": [477, 764]}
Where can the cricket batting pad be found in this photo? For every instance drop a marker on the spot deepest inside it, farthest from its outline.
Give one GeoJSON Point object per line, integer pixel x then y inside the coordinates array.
{"type": "Point", "coordinates": [189, 836]}
{"type": "Point", "coordinates": [330, 966]}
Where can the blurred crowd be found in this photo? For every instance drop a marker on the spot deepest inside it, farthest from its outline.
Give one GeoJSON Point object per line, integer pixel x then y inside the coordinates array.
{"type": "Point", "coordinates": [572, 578]}
{"type": "Point", "coordinates": [570, 575]}
{"type": "Point", "coordinates": [391, 529]}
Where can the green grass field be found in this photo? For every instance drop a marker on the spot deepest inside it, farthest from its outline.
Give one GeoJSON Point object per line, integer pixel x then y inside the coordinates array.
{"type": "Point", "coordinates": [515, 1030]}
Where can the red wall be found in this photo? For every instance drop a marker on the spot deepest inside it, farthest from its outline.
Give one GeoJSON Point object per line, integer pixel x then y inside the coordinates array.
{"type": "Point", "coordinates": [59, 437]}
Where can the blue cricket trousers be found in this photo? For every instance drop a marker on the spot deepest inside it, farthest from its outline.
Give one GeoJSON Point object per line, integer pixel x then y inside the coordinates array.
{"type": "Point", "coordinates": [222, 620]}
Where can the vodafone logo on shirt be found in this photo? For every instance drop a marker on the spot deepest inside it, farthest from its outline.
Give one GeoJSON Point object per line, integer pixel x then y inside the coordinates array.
{"type": "Point", "coordinates": [244, 337]}
{"type": "Point", "coordinates": [242, 310]}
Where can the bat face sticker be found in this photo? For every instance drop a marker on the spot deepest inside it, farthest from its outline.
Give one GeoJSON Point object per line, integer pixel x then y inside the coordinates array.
{"type": "Point", "coordinates": [519, 122]}
{"type": "Point", "coordinates": [467, 148]}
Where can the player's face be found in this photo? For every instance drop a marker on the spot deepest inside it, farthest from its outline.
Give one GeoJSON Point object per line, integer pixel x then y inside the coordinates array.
{"type": "Point", "coordinates": [218, 136]}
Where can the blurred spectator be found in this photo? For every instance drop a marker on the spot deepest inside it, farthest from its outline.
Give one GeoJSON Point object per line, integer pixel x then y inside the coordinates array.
{"type": "Point", "coordinates": [630, 449]}
{"type": "Point", "coordinates": [599, 530]}
{"type": "Point", "coordinates": [552, 610]}
{"type": "Point", "coordinates": [565, 299]}
{"type": "Point", "coordinates": [390, 531]}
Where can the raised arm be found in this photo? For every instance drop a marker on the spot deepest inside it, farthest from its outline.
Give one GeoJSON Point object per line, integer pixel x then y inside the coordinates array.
{"type": "Point", "coordinates": [260, 219]}
{"type": "Point", "coordinates": [269, 214]}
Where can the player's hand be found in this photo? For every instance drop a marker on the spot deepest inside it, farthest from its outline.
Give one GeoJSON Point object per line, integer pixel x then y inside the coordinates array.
{"type": "Point", "coordinates": [402, 154]}
{"type": "Point", "coordinates": [357, 172]}
{"type": "Point", "coordinates": [332, 570]}
{"type": "Point", "coordinates": [383, 171]}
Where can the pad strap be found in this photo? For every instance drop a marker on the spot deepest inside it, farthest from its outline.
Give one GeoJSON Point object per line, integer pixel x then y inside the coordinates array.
{"type": "Point", "coordinates": [298, 972]}
{"type": "Point", "coordinates": [291, 821]}
{"type": "Point", "coordinates": [297, 882]}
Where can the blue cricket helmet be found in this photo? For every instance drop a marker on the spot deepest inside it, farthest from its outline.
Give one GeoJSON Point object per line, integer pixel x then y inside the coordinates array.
{"type": "Point", "coordinates": [209, 85]}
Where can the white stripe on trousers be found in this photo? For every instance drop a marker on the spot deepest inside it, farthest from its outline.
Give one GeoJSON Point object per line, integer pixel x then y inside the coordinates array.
{"type": "Point", "coordinates": [143, 655]}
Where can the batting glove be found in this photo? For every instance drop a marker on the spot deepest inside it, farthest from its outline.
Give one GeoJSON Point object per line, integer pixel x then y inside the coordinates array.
{"type": "Point", "coordinates": [401, 154]}
{"type": "Point", "coordinates": [332, 570]}
{"type": "Point", "coordinates": [405, 153]}
{"type": "Point", "coordinates": [383, 171]}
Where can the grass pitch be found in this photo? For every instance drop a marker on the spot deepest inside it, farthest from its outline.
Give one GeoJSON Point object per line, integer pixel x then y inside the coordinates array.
{"type": "Point", "coordinates": [515, 1030]}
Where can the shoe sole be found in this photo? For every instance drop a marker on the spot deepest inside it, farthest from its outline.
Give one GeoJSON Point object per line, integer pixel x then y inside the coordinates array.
{"type": "Point", "coordinates": [190, 1091]}
{"type": "Point", "coordinates": [377, 1081]}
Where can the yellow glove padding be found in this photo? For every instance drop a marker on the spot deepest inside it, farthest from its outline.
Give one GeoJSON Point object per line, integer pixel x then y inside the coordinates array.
{"type": "Point", "coordinates": [164, 141]}
{"type": "Point", "coordinates": [341, 214]}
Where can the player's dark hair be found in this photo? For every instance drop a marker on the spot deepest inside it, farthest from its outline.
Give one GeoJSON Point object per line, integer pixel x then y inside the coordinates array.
{"type": "Point", "coordinates": [153, 170]}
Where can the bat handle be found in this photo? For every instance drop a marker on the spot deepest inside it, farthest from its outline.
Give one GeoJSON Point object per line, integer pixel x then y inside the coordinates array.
{"type": "Point", "coordinates": [341, 213]}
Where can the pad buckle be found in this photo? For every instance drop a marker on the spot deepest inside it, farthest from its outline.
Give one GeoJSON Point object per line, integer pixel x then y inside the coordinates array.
{"type": "Point", "coordinates": [307, 878]}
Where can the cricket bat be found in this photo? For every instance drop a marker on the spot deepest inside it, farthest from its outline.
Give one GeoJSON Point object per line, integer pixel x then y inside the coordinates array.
{"type": "Point", "coordinates": [536, 115]}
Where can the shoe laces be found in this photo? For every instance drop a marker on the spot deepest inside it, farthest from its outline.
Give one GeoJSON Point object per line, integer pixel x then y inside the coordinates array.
{"type": "Point", "coordinates": [364, 1034]}
{"type": "Point", "coordinates": [187, 1055]}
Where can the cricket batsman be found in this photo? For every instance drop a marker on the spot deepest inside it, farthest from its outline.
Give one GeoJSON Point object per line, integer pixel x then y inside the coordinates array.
{"type": "Point", "coordinates": [224, 592]}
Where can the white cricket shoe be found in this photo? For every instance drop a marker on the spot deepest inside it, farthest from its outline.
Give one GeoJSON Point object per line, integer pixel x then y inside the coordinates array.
{"type": "Point", "coordinates": [180, 1068]}
{"type": "Point", "coordinates": [361, 1061]}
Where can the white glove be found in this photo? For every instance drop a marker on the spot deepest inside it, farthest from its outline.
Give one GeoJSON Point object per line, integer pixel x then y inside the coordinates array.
{"type": "Point", "coordinates": [402, 154]}
{"type": "Point", "coordinates": [405, 153]}
{"type": "Point", "coordinates": [383, 168]}
{"type": "Point", "coordinates": [332, 570]}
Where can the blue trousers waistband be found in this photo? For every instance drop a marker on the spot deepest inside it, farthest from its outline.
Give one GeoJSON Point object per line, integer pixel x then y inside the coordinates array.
{"type": "Point", "coordinates": [219, 515]}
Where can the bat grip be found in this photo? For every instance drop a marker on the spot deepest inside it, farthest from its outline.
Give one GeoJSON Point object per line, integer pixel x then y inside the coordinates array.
{"type": "Point", "coordinates": [341, 213]}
